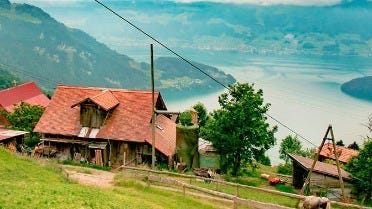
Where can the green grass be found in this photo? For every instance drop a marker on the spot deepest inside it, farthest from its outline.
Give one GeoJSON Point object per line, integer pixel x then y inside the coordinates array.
{"type": "Point", "coordinates": [98, 167]}
{"type": "Point", "coordinates": [26, 183]}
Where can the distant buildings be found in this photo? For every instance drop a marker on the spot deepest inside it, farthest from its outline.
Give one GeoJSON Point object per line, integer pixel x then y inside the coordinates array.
{"type": "Point", "coordinates": [28, 92]}
{"type": "Point", "coordinates": [344, 153]}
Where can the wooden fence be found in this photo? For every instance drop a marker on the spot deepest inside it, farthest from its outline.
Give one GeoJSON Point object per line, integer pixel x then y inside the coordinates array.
{"type": "Point", "coordinates": [235, 198]}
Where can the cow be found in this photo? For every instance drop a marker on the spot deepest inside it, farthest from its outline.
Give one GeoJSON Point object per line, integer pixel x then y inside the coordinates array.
{"type": "Point", "coordinates": [313, 202]}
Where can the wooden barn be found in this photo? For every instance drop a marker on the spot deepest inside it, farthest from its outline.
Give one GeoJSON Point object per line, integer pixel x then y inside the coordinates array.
{"type": "Point", "coordinates": [106, 126]}
{"type": "Point", "coordinates": [324, 177]}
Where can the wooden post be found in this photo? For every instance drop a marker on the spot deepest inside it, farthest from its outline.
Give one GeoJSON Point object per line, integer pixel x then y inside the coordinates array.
{"type": "Point", "coordinates": [307, 181]}
{"type": "Point", "coordinates": [235, 203]}
{"type": "Point", "coordinates": [237, 190]}
{"type": "Point", "coordinates": [124, 156]}
{"type": "Point", "coordinates": [153, 110]}
{"type": "Point", "coordinates": [338, 166]}
{"type": "Point", "coordinates": [184, 190]}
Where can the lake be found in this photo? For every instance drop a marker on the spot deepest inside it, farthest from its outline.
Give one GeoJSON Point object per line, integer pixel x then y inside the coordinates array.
{"type": "Point", "coordinates": [304, 93]}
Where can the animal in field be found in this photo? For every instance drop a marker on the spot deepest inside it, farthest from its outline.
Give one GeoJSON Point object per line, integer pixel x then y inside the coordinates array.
{"type": "Point", "coordinates": [313, 202]}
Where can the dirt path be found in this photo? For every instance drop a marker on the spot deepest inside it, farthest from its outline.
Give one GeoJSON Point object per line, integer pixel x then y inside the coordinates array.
{"type": "Point", "coordinates": [88, 176]}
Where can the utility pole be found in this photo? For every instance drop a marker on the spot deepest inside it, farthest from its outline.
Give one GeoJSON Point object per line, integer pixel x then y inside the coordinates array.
{"type": "Point", "coordinates": [153, 110]}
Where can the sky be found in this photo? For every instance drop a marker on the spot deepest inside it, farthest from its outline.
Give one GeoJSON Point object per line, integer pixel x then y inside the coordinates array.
{"type": "Point", "coordinates": [259, 2]}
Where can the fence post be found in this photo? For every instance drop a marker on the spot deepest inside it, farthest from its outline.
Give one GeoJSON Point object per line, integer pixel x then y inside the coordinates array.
{"type": "Point", "coordinates": [184, 190]}
{"type": "Point", "coordinates": [216, 185]}
{"type": "Point", "coordinates": [237, 190]}
{"type": "Point", "coordinates": [235, 202]}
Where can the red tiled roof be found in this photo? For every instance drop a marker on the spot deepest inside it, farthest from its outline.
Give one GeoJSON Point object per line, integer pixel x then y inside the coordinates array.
{"type": "Point", "coordinates": [129, 121]}
{"type": "Point", "coordinates": [165, 135]}
{"type": "Point", "coordinates": [344, 154]}
{"type": "Point", "coordinates": [104, 99]}
{"type": "Point", "coordinates": [320, 167]}
{"type": "Point", "coordinates": [27, 92]}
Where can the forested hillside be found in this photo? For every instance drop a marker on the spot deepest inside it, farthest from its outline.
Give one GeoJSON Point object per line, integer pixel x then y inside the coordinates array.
{"type": "Point", "coordinates": [6, 78]}
{"type": "Point", "coordinates": [36, 44]}
{"type": "Point", "coordinates": [359, 87]}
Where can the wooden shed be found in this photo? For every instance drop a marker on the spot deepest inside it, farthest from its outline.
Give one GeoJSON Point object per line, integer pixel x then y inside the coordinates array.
{"type": "Point", "coordinates": [10, 139]}
{"type": "Point", "coordinates": [324, 177]}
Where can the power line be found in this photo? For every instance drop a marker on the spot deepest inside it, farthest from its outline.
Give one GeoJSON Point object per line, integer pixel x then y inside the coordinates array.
{"type": "Point", "coordinates": [29, 74]}
{"type": "Point", "coordinates": [163, 45]}
{"type": "Point", "coordinates": [190, 63]}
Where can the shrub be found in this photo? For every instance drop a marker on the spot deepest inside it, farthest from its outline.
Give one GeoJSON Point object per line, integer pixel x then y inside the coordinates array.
{"type": "Point", "coordinates": [186, 118]}
{"type": "Point", "coordinates": [285, 169]}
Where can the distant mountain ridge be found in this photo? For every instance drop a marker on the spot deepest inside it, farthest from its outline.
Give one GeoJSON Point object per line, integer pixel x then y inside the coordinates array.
{"type": "Point", "coordinates": [339, 29]}
{"type": "Point", "coordinates": [35, 43]}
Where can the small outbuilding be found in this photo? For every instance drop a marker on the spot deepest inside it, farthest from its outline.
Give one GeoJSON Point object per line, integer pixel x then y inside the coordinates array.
{"type": "Point", "coordinates": [10, 139]}
{"type": "Point", "coordinates": [324, 178]}
{"type": "Point", "coordinates": [208, 155]}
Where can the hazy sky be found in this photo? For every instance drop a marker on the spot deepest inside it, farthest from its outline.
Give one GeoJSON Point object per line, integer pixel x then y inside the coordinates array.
{"type": "Point", "coordinates": [260, 2]}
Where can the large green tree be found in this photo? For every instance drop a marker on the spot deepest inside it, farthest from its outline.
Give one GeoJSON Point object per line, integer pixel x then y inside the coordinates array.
{"type": "Point", "coordinates": [361, 169]}
{"type": "Point", "coordinates": [239, 130]}
{"type": "Point", "coordinates": [289, 145]}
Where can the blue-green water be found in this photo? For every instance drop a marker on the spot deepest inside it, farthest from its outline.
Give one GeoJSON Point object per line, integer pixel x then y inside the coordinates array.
{"type": "Point", "coordinates": [304, 94]}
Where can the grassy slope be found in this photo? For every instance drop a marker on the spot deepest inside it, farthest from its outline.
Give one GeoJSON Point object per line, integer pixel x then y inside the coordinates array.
{"type": "Point", "coordinates": [26, 184]}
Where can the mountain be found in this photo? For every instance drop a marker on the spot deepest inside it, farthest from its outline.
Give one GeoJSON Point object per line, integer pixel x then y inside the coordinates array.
{"type": "Point", "coordinates": [6, 78]}
{"type": "Point", "coordinates": [339, 29]}
{"type": "Point", "coordinates": [33, 43]}
{"type": "Point", "coordinates": [359, 87]}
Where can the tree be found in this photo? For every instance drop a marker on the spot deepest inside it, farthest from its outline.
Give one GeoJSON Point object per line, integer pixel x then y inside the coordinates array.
{"type": "Point", "coordinates": [24, 118]}
{"type": "Point", "coordinates": [361, 169]}
{"type": "Point", "coordinates": [202, 113]}
{"type": "Point", "coordinates": [239, 130]}
{"type": "Point", "coordinates": [340, 143]}
{"type": "Point", "coordinates": [353, 146]}
{"type": "Point", "coordinates": [185, 118]}
{"type": "Point", "coordinates": [289, 145]}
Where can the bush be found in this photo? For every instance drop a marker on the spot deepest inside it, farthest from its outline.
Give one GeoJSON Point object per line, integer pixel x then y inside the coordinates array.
{"type": "Point", "coordinates": [285, 169]}
{"type": "Point", "coordinates": [186, 118]}
{"type": "Point", "coordinates": [32, 141]}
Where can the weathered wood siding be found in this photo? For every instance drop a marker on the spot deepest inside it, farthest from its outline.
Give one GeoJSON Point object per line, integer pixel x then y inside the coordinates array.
{"type": "Point", "coordinates": [91, 115]}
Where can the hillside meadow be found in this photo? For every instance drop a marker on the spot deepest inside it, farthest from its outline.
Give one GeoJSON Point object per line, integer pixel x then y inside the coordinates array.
{"type": "Point", "coordinates": [26, 183]}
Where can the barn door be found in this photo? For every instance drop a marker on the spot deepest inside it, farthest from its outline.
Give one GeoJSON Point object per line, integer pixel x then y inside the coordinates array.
{"type": "Point", "coordinates": [99, 159]}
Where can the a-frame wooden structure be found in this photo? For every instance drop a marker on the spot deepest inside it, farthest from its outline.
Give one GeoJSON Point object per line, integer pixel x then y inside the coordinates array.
{"type": "Point", "coordinates": [332, 138]}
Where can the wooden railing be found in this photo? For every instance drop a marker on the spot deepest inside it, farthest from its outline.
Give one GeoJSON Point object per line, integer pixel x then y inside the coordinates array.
{"type": "Point", "coordinates": [235, 197]}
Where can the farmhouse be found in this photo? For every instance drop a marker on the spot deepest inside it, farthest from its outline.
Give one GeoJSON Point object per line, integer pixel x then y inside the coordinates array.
{"type": "Point", "coordinates": [106, 126]}
{"type": "Point", "coordinates": [324, 177]}
{"type": "Point", "coordinates": [344, 154]}
{"type": "Point", "coordinates": [27, 92]}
